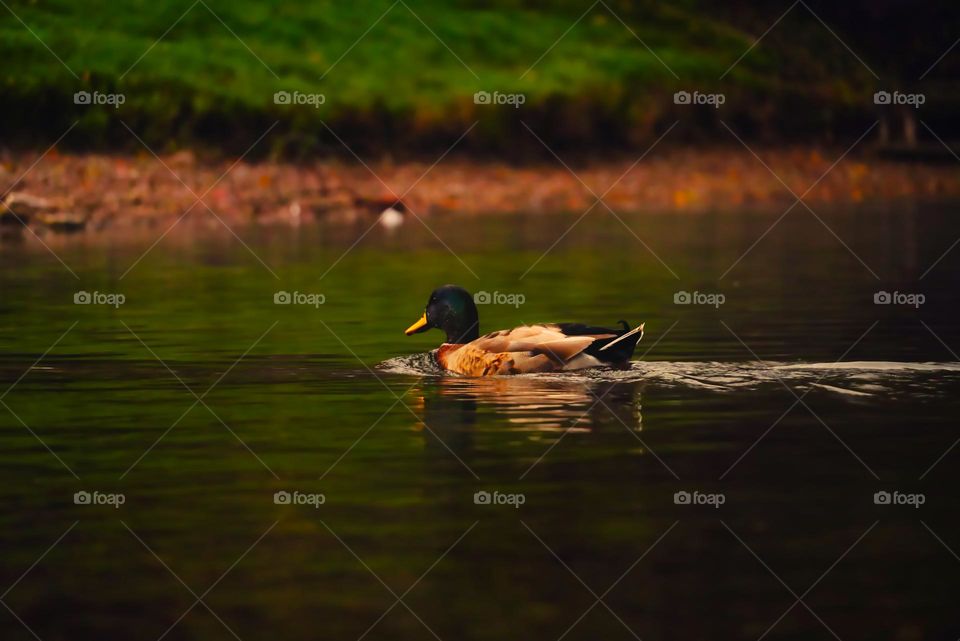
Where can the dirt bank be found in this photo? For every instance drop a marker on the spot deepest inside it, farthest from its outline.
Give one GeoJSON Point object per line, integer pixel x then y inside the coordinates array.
{"type": "Point", "coordinates": [89, 193]}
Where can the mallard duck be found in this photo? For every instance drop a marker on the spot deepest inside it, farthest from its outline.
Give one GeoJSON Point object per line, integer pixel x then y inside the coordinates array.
{"type": "Point", "coordinates": [548, 347]}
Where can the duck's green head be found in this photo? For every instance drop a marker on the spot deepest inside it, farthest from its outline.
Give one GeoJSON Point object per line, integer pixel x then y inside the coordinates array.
{"type": "Point", "coordinates": [452, 310]}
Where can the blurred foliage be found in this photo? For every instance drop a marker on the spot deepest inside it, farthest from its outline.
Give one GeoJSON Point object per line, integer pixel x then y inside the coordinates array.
{"type": "Point", "coordinates": [402, 76]}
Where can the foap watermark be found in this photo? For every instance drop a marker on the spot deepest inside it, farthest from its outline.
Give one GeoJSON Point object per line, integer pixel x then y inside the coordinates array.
{"type": "Point", "coordinates": [699, 498]}
{"type": "Point", "coordinates": [899, 98]}
{"type": "Point", "coordinates": [299, 98]}
{"type": "Point", "coordinates": [497, 98]}
{"type": "Point", "coordinates": [299, 498]}
{"type": "Point", "coordinates": [899, 498]}
{"type": "Point", "coordinates": [98, 298]}
{"type": "Point", "coordinates": [698, 98]}
{"type": "Point", "coordinates": [499, 298]}
{"type": "Point", "coordinates": [99, 498]}
{"type": "Point", "coordinates": [298, 298]}
{"type": "Point", "coordinates": [899, 298]}
{"type": "Point", "coordinates": [499, 498]}
{"type": "Point", "coordinates": [698, 298]}
{"type": "Point", "coordinates": [99, 98]}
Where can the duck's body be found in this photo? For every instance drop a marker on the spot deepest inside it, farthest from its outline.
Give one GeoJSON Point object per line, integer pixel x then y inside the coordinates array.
{"type": "Point", "coordinates": [523, 350]}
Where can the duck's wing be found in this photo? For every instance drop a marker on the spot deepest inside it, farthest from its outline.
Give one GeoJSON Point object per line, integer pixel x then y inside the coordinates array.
{"type": "Point", "coordinates": [527, 349]}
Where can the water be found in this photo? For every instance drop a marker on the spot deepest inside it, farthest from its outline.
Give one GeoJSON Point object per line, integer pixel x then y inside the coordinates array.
{"type": "Point", "coordinates": [335, 400]}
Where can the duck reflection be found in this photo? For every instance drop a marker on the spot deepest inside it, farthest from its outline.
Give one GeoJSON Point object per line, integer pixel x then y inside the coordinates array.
{"type": "Point", "coordinates": [455, 409]}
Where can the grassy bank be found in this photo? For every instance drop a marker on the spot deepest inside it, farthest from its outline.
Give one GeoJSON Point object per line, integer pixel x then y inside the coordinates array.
{"type": "Point", "coordinates": [410, 81]}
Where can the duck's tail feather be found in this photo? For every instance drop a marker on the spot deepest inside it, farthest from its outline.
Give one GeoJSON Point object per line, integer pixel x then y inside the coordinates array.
{"type": "Point", "coordinates": [625, 335]}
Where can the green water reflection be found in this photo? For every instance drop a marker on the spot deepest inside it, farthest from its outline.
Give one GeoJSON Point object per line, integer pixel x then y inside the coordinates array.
{"type": "Point", "coordinates": [295, 398]}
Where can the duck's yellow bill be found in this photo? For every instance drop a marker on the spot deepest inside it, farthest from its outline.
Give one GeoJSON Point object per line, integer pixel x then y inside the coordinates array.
{"type": "Point", "coordinates": [419, 326]}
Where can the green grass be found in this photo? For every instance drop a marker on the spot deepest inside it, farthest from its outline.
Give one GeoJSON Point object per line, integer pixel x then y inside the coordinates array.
{"type": "Point", "coordinates": [399, 85]}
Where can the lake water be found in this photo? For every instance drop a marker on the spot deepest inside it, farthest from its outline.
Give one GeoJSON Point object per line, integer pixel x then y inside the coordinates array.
{"type": "Point", "coordinates": [724, 487]}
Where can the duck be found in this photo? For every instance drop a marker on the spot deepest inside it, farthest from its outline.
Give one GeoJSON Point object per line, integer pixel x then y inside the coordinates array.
{"type": "Point", "coordinates": [528, 349]}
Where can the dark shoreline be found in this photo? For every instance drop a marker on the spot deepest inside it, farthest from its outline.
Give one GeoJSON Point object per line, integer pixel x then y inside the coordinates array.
{"type": "Point", "coordinates": [123, 193]}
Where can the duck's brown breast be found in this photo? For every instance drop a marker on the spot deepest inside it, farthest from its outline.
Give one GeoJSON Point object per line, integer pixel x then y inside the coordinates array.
{"type": "Point", "coordinates": [471, 361]}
